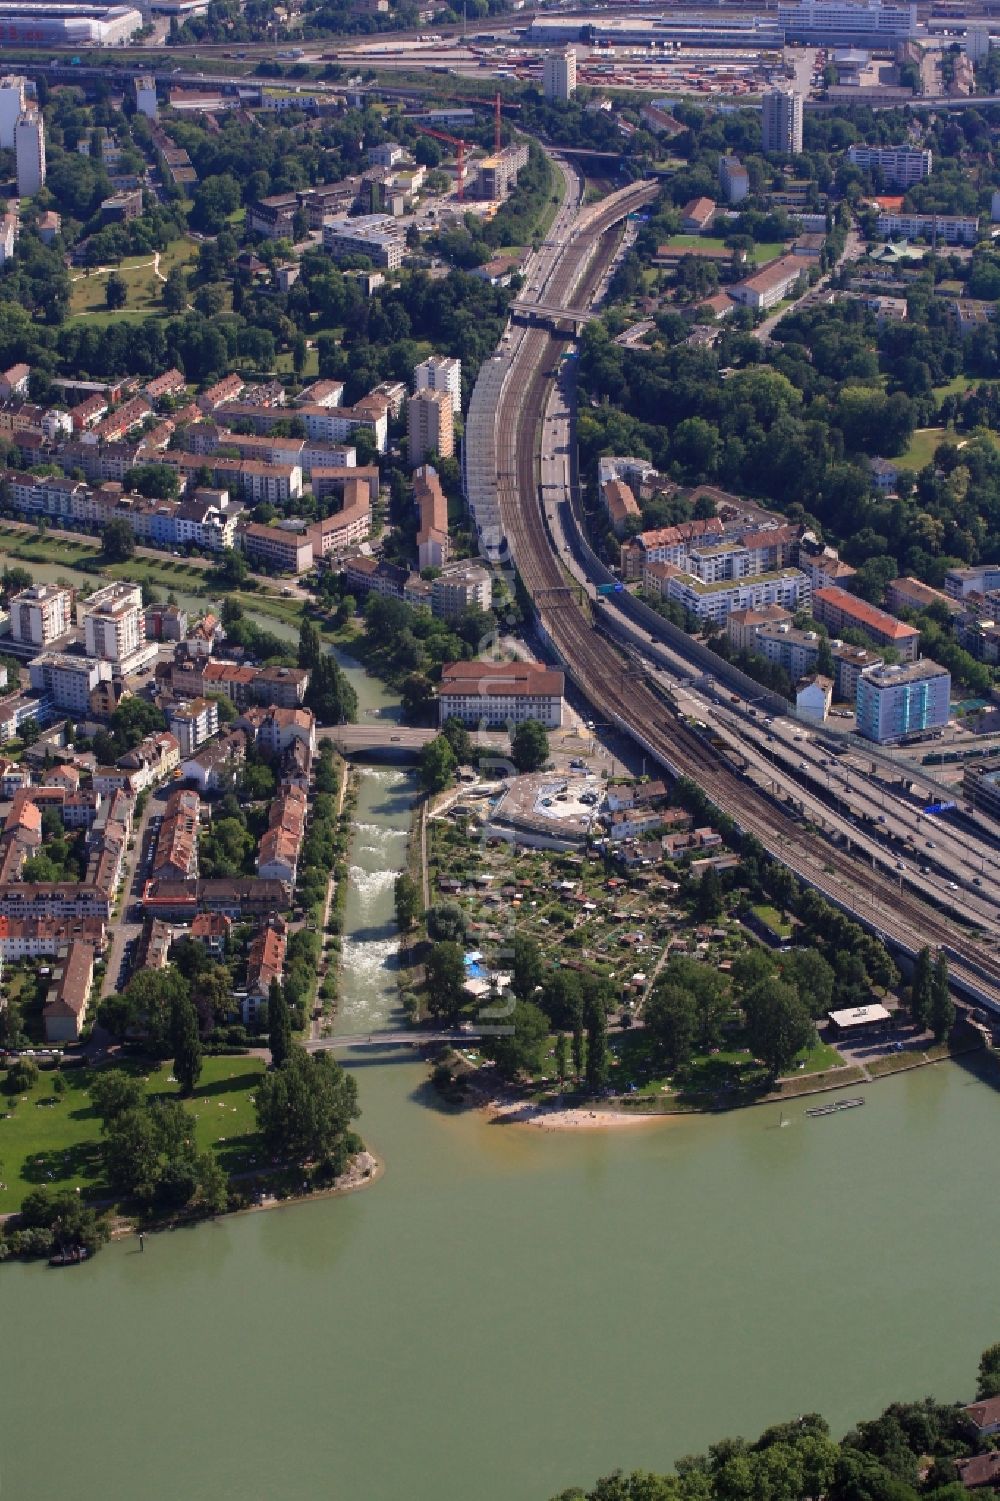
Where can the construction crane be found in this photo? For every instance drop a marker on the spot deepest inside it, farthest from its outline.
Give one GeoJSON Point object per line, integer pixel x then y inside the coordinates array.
{"type": "Point", "coordinates": [459, 144]}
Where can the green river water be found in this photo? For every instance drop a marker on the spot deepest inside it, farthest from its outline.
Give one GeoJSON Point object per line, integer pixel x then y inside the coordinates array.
{"type": "Point", "coordinates": [510, 1311]}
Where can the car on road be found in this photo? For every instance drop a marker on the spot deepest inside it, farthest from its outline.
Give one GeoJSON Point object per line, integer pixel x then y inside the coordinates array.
{"type": "Point", "coordinates": [952, 885]}
{"type": "Point", "coordinates": [977, 880]}
{"type": "Point", "coordinates": [930, 844]}
{"type": "Point", "coordinates": [900, 865]}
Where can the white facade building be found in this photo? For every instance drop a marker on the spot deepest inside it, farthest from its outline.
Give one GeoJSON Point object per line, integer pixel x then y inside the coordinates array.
{"type": "Point", "coordinates": [68, 681]}
{"type": "Point", "coordinates": [902, 699]}
{"type": "Point", "coordinates": [145, 96]}
{"type": "Point", "coordinates": [12, 102]}
{"type": "Point", "coordinates": [901, 165]}
{"type": "Point", "coordinates": [29, 144]}
{"type": "Point", "coordinates": [41, 614]}
{"type": "Point", "coordinates": [782, 122]}
{"type": "Point", "coordinates": [115, 625]}
{"type": "Point", "coordinates": [559, 75]}
{"type": "Point", "coordinates": [439, 372]}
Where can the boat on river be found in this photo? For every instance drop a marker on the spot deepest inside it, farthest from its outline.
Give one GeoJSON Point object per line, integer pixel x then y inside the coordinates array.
{"type": "Point", "coordinates": [835, 1107]}
{"type": "Point", "coordinates": [72, 1256]}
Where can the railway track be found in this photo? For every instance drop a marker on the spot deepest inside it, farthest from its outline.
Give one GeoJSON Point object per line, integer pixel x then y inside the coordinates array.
{"type": "Point", "coordinates": [605, 677]}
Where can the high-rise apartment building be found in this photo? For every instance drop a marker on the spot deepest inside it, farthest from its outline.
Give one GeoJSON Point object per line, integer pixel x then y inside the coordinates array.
{"type": "Point", "coordinates": [41, 614]}
{"type": "Point", "coordinates": [900, 165]}
{"type": "Point", "coordinates": [902, 699]}
{"type": "Point", "coordinates": [782, 123]}
{"type": "Point", "coordinates": [145, 95]}
{"type": "Point", "coordinates": [440, 373]}
{"type": "Point", "coordinates": [12, 101]}
{"type": "Point", "coordinates": [115, 624]}
{"type": "Point", "coordinates": [29, 145]}
{"type": "Point", "coordinates": [734, 179]}
{"type": "Point", "coordinates": [429, 426]}
{"type": "Point", "coordinates": [559, 75]}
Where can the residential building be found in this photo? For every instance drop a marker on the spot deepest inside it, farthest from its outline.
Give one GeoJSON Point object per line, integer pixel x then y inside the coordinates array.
{"type": "Point", "coordinates": [813, 697]}
{"type": "Point", "coordinates": [959, 583]}
{"type": "Point", "coordinates": [716, 598]}
{"type": "Point", "coordinates": [67, 681]}
{"type": "Point", "coordinates": [439, 372]}
{"type": "Point", "coordinates": [734, 179]}
{"type": "Point", "coordinates": [910, 594]}
{"type": "Point", "coordinates": [286, 552]}
{"type": "Point", "coordinates": [214, 767]}
{"type": "Point", "coordinates": [274, 217]}
{"type": "Point", "coordinates": [278, 853]}
{"type": "Point", "coordinates": [849, 662]}
{"type": "Point", "coordinates": [765, 289]}
{"type": "Point", "coordinates": [498, 173]}
{"type": "Point", "coordinates": [460, 587]}
{"type": "Point", "coordinates": [68, 997]}
{"type": "Point", "coordinates": [433, 546]}
{"type": "Point", "coordinates": [115, 626]}
{"type": "Point", "coordinates": [902, 699]}
{"type": "Point", "coordinates": [784, 646]}
{"type": "Point", "coordinates": [840, 611]}
{"type": "Point", "coordinates": [176, 855]}
{"type": "Point", "coordinates": [192, 723]}
{"type": "Point", "coordinates": [345, 528]}
{"type": "Point", "coordinates": [983, 1417]}
{"type": "Point", "coordinates": [29, 146]}
{"type": "Point", "coordinates": [265, 964]}
{"type": "Point", "coordinates": [211, 929]}
{"type": "Point", "coordinates": [429, 426]}
{"type": "Point", "coordinates": [559, 75]}
{"type": "Point", "coordinates": [386, 154]}
{"type": "Point", "coordinates": [41, 614]}
{"type": "Point", "coordinates": [376, 236]}
{"type": "Point", "coordinates": [620, 504]}
{"type": "Point", "coordinates": [902, 166]}
{"type": "Point", "coordinates": [951, 229]}
{"type": "Point", "coordinates": [146, 102]}
{"type": "Point", "coordinates": [742, 625]}
{"type": "Point", "coordinates": [494, 694]}
{"type": "Point", "coordinates": [885, 475]}
{"type": "Point", "coordinates": [697, 215]}
{"type": "Point", "coordinates": [13, 98]}
{"type": "Point", "coordinates": [782, 122]}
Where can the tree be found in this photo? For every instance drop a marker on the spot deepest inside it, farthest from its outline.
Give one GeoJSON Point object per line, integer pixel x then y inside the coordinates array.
{"type": "Point", "coordinates": [527, 969]}
{"type": "Point", "coordinates": [445, 975]}
{"type": "Point", "coordinates": [941, 1016]}
{"type": "Point", "coordinates": [115, 292]}
{"type": "Point", "coordinates": [436, 764]}
{"type": "Point", "coordinates": [519, 1049]}
{"type": "Point", "coordinates": [446, 922]}
{"type": "Point", "coordinates": [310, 646]}
{"type": "Point", "coordinates": [113, 1092]}
{"type": "Point", "coordinates": [174, 292]}
{"type": "Point", "coordinates": [407, 894]}
{"type": "Point", "coordinates": [597, 1044]}
{"type": "Point", "coordinates": [330, 695]}
{"type": "Point", "coordinates": [988, 1384]}
{"type": "Point", "coordinates": [304, 1109]}
{"type": "Point", "coordinates": [671, 1020]}
{"type": "Point", "coordinates": [118, 541]}
{"type": "Point", "coordinates": [709, 899]}
{"type": "Point", "coordinates": [778, 1024]}
{"type": "Point", "coordinates": [157, 481]}
{"type": "Point", "coordinates": [922, 989]}
{"type": "Point", "coordinates": [812, 977]}
{"type": "Point", "coordinates": [458, 737]}
{"type": "Point", "coordinates": [186, 1042]}
{"type": "Point", "coordinates": [529, 746]}
{"type": "Point", "coordinates": [279, 1024]}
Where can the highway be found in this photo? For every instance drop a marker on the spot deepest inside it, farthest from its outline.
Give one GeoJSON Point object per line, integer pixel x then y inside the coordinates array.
{"type": "Point", "coordinates": [620, 690]}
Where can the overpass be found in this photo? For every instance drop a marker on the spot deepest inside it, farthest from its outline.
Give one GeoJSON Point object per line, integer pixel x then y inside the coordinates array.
{"type": "Point", "coordinates": [391, 1040]}
{"type": "Point", "coordinates": [547, 312]}
{"type": "Point", "coordinates": [398, 741]}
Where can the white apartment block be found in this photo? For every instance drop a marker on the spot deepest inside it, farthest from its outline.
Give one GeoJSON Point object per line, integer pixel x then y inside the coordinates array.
{"type": "Point", "coordinates": [41, 614]}
{"type": "Point", "coordinates": [952, 229]}
{"type": "Point", "coordinates": [782, 122]}
{"type": "Point", "coordinates": [440, 373]}
{"type": "Point", "coordinates": [115, 625]}
{"type": "Point", "coordinates": [429, 426]}
{"type": "Point", "coordinates": [12, 103]}
{"type": "Point", "coordinates": [146, 102]}
{"type": "Point", "coordinates": [29, 146]}
{"type": "Point", "coordinates": [559, 75]}
{"type": "Point", "coordinates": [192, 723]}
{"type": "Point", "coordinates": [460, 587]}
{"type": "Point", "coordinates": [787, 587]}
{"type": "Point", "coordinates": [67, 681]}
{"type": "Point", "coordinates": [734, 179]}
{"type": "Point", "coordinates": [900, 165]}
{"type": "Point", "coordinates": [905, 699]}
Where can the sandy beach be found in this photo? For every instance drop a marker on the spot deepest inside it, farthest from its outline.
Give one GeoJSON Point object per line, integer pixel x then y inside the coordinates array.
{"type": "Point", "coordinates": [556, 1117]}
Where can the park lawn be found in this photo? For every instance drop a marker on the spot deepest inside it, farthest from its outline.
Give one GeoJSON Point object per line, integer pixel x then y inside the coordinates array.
{"type": "Point", "coordinates": [145, 288]}
{"type": "Point", "coordinates": [283, 364]}
{"type": "Point", "coordinates": [54, 1139]}
{"type": "Point", "coordinates": [920, 450]}
{"type": "Point", "coordinates": [772, 918]}
{"type": "Point", "coordinates": [767, 250]}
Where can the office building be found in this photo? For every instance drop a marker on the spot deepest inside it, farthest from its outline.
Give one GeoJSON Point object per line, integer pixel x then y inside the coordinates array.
{"type": "Point", "coordinates": [429, 426]}
{"type": "Point", "coordinates": [905, 699]}
{"type": "Point", "coordinates": [835, 23]}
{"type": "Point", "coordinates": [41, 614]}
{"type": "Point", "coordinates": [115, 626]}
{"type": "Point", "coordinates": [12, 103]}
{"type": "Point", "coordinates": [498, 693]}
{"type": "Point", "coordinates": [44, 24]}
{"type": "Point", "coordinates": [782, 122]}
{"type": "Point", "coordinates": [559, 75]}
{"type": "Point", "coordinates": [440, 373]}
{"type": "Point", "coordinates": [378, 237]}
{"type": "Point", "coordinates": [29, 145]}
{"type": "Point", "coordinates": [734, 179]}
{"type": "Point", "coordinates": [900, 165]}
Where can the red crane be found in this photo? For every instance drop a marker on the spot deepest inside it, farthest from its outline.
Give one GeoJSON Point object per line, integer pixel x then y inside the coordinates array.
{"type": "Point", "coordinates": [459, 144]}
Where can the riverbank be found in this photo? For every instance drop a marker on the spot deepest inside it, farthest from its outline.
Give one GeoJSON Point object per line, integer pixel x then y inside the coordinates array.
{"type": "Point", "coordinates": [507, 1107]}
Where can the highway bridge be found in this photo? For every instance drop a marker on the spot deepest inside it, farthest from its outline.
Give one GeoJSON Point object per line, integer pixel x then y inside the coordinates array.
{"type": "Point", "coordinates": [382, 738]}
{"type": "Point", "coordinates": [901, 918]}
{"type": "Point", "coordinates": [545, 312]}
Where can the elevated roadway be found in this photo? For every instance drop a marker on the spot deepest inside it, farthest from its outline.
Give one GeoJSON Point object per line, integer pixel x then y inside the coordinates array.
{"type": "Point", "coordinates": [622, 695]}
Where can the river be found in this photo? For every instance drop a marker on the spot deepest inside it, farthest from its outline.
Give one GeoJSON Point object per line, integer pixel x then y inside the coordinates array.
{"type": "Point", "coordinates": [507, 1311]}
